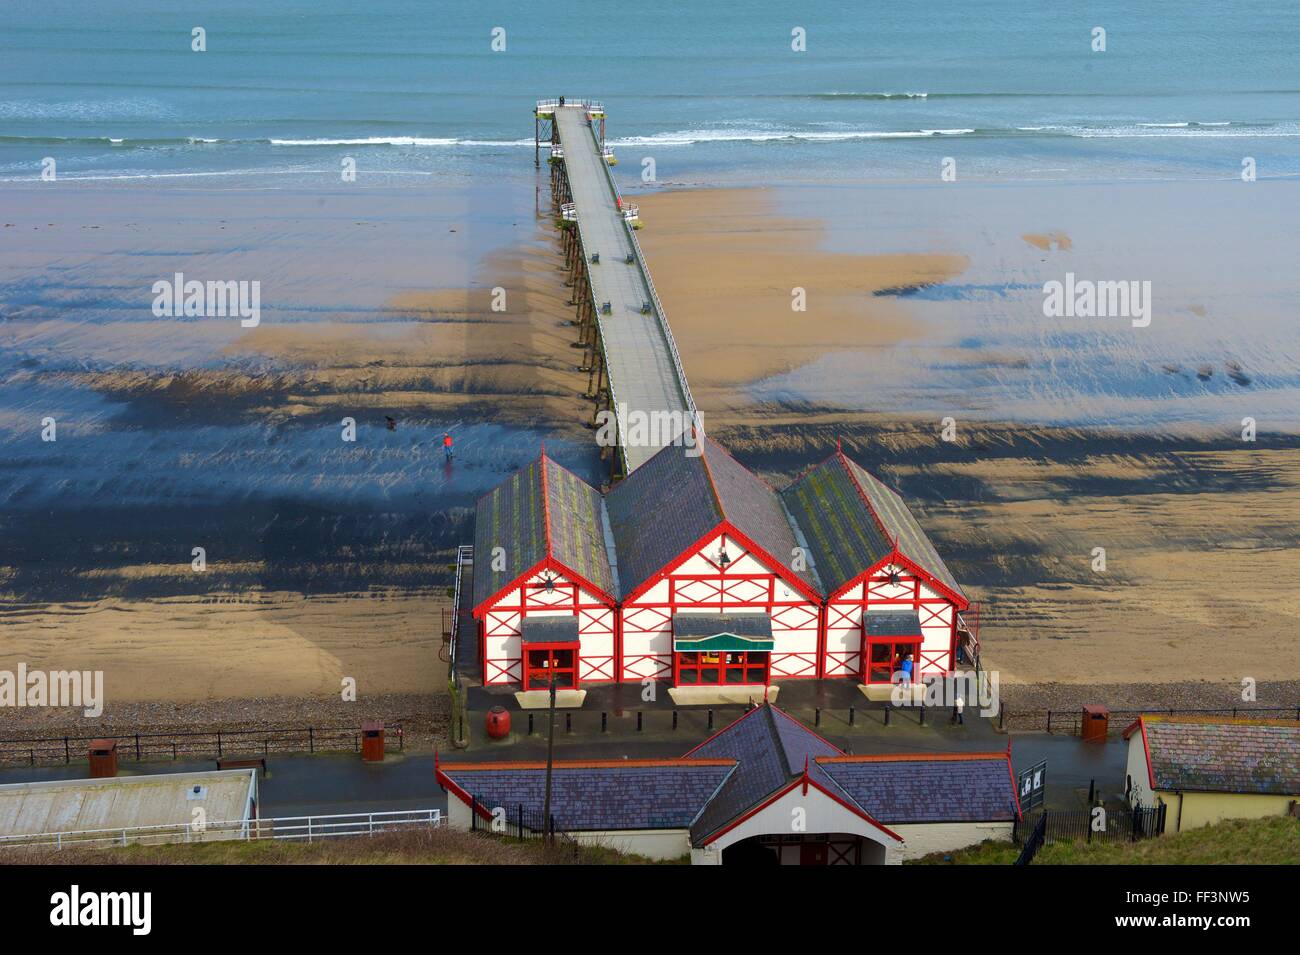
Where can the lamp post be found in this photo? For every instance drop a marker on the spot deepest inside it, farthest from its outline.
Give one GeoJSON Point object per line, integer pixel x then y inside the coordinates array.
{"type": "Point", "coordinates": [547, 835]}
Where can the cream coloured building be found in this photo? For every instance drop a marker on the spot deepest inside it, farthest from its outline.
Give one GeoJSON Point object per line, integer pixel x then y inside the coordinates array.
{"type": "Point", "coordinates": [1207, 769]}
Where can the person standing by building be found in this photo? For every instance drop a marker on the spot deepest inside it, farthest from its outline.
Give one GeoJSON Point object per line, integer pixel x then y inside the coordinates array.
{"type": "Point", "coordinates": [906, 668]}
{"type": "Point", "coordinates": [446, 445]}
{"type": "Point", "coordinates": [959, 710]}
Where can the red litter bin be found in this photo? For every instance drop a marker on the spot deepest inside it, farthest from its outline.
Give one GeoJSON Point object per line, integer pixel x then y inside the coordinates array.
{"type": "Point", "coordinates": [498, 722]}
{"type": "Point", "coordinates": [1096, 723]}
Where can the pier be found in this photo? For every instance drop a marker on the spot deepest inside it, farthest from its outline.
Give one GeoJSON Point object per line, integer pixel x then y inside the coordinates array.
{"type": "Point", "coordinates": [633, 369]}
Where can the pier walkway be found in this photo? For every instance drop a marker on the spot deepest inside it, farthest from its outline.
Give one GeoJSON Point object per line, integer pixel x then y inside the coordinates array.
{"type": "Point", "coordinates": [635, 369]}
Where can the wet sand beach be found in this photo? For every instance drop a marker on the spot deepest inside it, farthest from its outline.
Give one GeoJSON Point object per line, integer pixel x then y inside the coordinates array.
{"type": "Point", "coordinates": [328, 558]}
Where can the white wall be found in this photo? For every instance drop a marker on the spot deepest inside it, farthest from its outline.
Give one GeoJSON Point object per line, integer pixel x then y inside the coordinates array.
{"type": "Point", "coordinates": [1137, 771]}
{"type": "Point", "coordinates": [814, 811]}
{"type": "Point", "coordinates": [921, 839]}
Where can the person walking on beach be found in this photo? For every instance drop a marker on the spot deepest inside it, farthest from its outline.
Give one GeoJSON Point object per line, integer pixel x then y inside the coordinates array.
{"type": "Point", "coordinates": [446, 445]}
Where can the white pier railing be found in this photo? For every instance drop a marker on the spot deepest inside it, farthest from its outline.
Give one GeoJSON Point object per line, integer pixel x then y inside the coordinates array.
{"type": "Point", "coordinates": [299, 828]}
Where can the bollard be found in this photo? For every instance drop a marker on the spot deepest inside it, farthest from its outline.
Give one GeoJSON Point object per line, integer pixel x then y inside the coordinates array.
{"type": "Point", "coordinates": [530, 724]}
{"type": "Point", "coordinates": [638, 721]}
{"type": "Point", "coordinates": [850, 716]}
{"type": "Point", "coordinates": [922, 711]}
{"type": "Point", "coordinates": [710, 719]}
{"type": "Point", "coordinates": [674, 719]}
{"type": "Point", "coordinates": [604, 721]}
{"type": "Point", "coordinates": [888, 708]}
{"type": "Point", "coordinates": [568, 722]}
{"type": "Point", "coordinates": [817, 716]}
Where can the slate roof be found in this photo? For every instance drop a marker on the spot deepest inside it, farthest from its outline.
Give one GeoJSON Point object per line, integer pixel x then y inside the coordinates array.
{"type": "Point", "coordinates": [898, 790]}
{"type": "Point", "coordinates": [678, 496]}
{"type": "Point", "coordinates": [712, 624]}
{"type": "Point", "coordinates": [739, 768]}
{"type": "Point", "coordinates": [770, 749]}
{"type": "Point", "coordinates": [552, 628]}
{"type": "Point", "coordinates": [892, 623]}
{"type": "Point", "coordinates": [1222, 755]}
{"type": "Point", "coordinates": [852, 521]}
{"type": "Point", "coordinates": [541, 510]}
{"type": "Point", "coordinates": [622, 794]}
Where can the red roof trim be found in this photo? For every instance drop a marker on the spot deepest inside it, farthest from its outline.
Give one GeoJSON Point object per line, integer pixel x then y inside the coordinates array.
{"type": "Point", "coordinates": [897, 557]}
{"type": "Point", "coordinates": [510, 764]}
{"type": "Point", "coordinates": [805, 781]}
{"type": "Point", "coordinates": [450, 785]}
{"type": "Point", "coordinates": [1146, 749]}
{"type": "Point", "coordinates": [778, 568]}
{"type": "Point", "coordinates": [690, 551]}
{"type": "Point", "coordinates": [546, 563]}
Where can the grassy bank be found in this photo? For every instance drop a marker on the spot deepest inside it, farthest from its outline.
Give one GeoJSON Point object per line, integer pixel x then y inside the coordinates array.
{"type": "Point", "coordinates": [411, 847]}
{"type": "Point", "coordinates": [1274, 841]}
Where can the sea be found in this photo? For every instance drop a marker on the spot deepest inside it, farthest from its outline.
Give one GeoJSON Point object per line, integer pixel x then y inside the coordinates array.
{"type": "Point", "coordinates": [765, 91]}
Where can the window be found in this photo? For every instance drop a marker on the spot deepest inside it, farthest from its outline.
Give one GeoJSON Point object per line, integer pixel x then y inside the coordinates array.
{"type": "Point", "coordinates": [720, 668]}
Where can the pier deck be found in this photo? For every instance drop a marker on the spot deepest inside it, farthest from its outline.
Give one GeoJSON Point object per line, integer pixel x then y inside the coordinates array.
{"type": "Point", "coordinates": [645, 377]}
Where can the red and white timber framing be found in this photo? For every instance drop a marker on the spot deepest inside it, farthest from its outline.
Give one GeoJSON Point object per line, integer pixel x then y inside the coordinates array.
{"type": "Point", "coordinates": [635, 641]}
{"type": "Point", "coordinates": [895, 583]}
{"type": "Point", "coordinates": [501, 620]}
{"type": "Point", "coordinates": [751, 581]}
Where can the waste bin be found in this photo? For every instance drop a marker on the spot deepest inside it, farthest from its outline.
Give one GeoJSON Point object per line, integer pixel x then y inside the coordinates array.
{"type": "Point", "coordinates": [1096, 723]}
{"type": "Point", "coordinates": [498, 722]}
{"type": "Point", "coordinates": [372, 742]}
{"type": "Point", "coordinates": [103, 758]}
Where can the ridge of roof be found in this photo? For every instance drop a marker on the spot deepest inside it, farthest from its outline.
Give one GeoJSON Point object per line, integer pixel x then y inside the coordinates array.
{"type": "Point", "coordinates": [777, 743]}
{"type": "Point", "coordinates": [546, 502]}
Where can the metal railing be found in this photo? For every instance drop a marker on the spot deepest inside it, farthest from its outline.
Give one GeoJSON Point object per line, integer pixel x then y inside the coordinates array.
{"type": "Point", "coordinates": [1069, 721]}
{"type": "Point", "coordinates": [304, 828]}
{"type": "Point", "coordinates": [660, 315]}
{"type": "Point", "coordinates": [591, 105]}
{"type": "Point", "coordinates": [464, 555]}
{"type": "Point", "coordinates": [193, 744]}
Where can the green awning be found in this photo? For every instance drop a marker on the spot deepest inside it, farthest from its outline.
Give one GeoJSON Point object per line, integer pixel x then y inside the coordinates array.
{"type": "Point", "coordinates": [722, 643]}
{"type": "Point", "coordinates": [722, 633]}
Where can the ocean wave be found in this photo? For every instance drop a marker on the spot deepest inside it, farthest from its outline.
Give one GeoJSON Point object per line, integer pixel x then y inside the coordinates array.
{"type": "Point", "coordinates": [690, 137]}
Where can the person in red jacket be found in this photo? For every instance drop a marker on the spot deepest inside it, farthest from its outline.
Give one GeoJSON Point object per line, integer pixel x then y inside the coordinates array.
{"type": "Point", "coordinates": [446, 444]}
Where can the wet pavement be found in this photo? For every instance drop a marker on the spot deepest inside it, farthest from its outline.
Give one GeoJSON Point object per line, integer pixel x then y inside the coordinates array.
{"type": "Point", "coordinates": [342, 783]}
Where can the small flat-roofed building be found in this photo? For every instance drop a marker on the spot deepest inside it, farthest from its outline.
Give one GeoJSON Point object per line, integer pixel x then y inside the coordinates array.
{"type": "Point", "coordinates": [95, 810]}
{"type": "Point", "coordinates": [766, 789]}
{"type": "Point", "coordinates": [1206, 769]}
